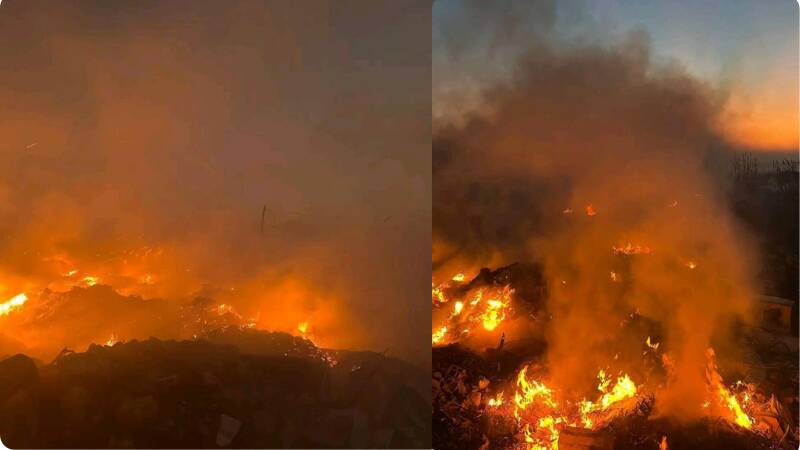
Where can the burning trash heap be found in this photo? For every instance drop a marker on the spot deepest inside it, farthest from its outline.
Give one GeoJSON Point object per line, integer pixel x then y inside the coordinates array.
{"type": "Point", "coordinates": [623, 310]}
{"type": "Point", "coordinates": [502, 395]}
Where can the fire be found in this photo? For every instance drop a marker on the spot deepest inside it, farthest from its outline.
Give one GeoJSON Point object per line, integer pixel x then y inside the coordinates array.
{"type": "Point", "coordinates": [111, 340]}
{"type": "Point", "coordinates": [71, 273]}
{"type": "Point", "coordinates": [437, 295]}
{"type": "Point", "coordinates": [459, 277]}
{"type": "Point", "coordinates": [438, 335]}
{"type": "Point", "coordinates": [496, 401]}
{"type": "Point", "coordinates": [528, 392]}
{"type": "Point", "coordinates": [729, 400]}
{"type": "Point", "coordinates": [726, 398]}
{"type": "Point", "coordinates": [13, 304]}
{"type": "Point", "coordinates": [631, 249]}
{"type": "Point", "coordinates": [90, 281]}
{"type": "Point", "coordinates": [302, 327]}
{"type": "Point", "coordinates": [624, 388]}
{"type": "Point", "coordinates": [652, 345]}
{"type": "Point", "coordinates": [495, 313]}
{"type": "Point", "coordinates": [567, 211]}
{"type": "Point", "coordinates": [590, 210]}
{"type": "Point", "coordinates": [663, 445]}
{"type": "Point", "coordinates": [691, 264]}
{"type": "Point", "coordinates": [614, 277]}
{"type": "Point", "coordinates": [486, 308]}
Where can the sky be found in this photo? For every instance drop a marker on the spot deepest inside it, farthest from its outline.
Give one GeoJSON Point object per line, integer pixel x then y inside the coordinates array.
{"type": "Point", "coordinates": [164, 128]}
{"type": "Point", "coordinates": [746, 50]}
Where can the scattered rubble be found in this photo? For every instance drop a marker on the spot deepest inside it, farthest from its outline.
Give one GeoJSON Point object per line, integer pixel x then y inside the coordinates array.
{"type": "Point", "coordinates": [231, 388]}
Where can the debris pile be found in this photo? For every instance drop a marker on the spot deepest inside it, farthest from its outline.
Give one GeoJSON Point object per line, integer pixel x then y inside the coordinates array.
{"type": "Point", "coordinates": [232, 387]}
{"type": "Point", "coordinates": [503, 396]}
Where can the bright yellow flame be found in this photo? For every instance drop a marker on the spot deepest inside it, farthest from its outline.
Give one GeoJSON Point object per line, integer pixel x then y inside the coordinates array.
{"type": "Point", "coordinates": [729, 400]}
{"type": "Point", "coordinates": [90, 281]}
{"type": "Point", "coordinates": [457, 307]}
{"type": "Point", "coordinates": [495, 313]}
{"type": "Point", "coordinates": [111, 340]}
{"type": "Point", "coordinates": [15, 303]}
{"type": "Point", "coordinates": [527, 392]}
{"type": "Point", "coordinates": [438, 335]}
{"type": "Point", "coordinates": [437, 295]}
{"type": "Point", "coordinates": [496, 401]}
{"type": "Point", "coordinates": [72, 272]}
{"type": "Point", "coordinates": [651, 345]}
{"type": "Point", "coordinates": [302, 327]}
{"type": "Point", "coordinates": [624, 388]}
{"type": "Point", "coordinates": [459, 277]}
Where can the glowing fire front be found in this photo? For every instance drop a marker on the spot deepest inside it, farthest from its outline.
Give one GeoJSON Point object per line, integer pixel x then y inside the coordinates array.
{"type": "Point", "coordinates": [482, 309]}
{"type": "Point", "coordinates": [542, 412]}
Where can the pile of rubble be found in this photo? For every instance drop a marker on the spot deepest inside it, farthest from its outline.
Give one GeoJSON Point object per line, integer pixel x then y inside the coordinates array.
{"type": "Point", "coordinates": [467, 380]}
{"type": "Point", "coordinates": [233, 387]}
{"type": "Point", "coordinates": [465, 383]}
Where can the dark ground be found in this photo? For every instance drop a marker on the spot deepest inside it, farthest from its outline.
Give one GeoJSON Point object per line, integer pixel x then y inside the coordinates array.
{"type": "Point", "coordinates": [230, 388]}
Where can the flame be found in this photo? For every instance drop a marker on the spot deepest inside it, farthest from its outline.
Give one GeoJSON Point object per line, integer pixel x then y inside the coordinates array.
{"type": "Point", "coordinates": [459, 277]}
{"type": "Point", "coordinates": [631, 249]}
{"type": "Point", "coordinates": [495, 313]}
{"type": "Point", "coordinates": [651, 345]}
{"type": "Point", "coordinates": [474, 309]}
{"type": "Point", "coordinates": [663, 445]}
{"type": "Point", "coordinates": [111, 340]}
{"type": "Point", "coordinates": [590, 210]}
{"type": "Point", "coordinates": [528, 392]}
{"type": "Point", "coordinates": [437, 295]}
{"type": "Point", "coordinates": [71, 273]}
{"type": "Point", "coordinates": [691, 264]}
{"type": "Point", "coordinates": [13, 304]}
{"type": "Point", "coordinates": [567, 211]}
{"type": "Point", "coordinates": [622, 389]}
{"type": "Point", "coordinates": [496, 401]}
{"type": "Point", "coordinates": [614, 277]}
{"type": "Point", "coordinates": [223, 309]}
{"type": "Point", "coordinates": [726, 398]}
{"type": "Point", "coordinates": [302, 327]}
{"type": "Point", "coordinates": [90, 280]}
{"type": "Point", "coordinates": [438, 335]}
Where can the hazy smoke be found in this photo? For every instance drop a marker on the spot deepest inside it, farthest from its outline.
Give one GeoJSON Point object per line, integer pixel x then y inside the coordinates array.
{"type": "Point", "coordinates": [144, 138]}
{"type": "Point", "coordinates": [587, 148]}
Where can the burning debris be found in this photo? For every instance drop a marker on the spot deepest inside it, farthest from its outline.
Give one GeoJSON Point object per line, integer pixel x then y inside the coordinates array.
{"type": "Point", "coordinates": [506, 398]}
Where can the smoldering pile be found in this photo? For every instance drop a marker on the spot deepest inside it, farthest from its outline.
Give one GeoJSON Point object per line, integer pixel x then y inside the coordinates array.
{"type": "Point", "coordinates": [486, 397]}
{"type": "Point", "coordinates": [231, 387]}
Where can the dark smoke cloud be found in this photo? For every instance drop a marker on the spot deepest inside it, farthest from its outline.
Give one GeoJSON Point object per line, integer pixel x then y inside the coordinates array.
{"type": "Point", "coordinates": [170, 124]}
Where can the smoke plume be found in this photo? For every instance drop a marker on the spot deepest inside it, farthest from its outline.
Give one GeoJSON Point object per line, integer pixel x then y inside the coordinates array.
{"type": "Point", "coordinates": [593, 160]}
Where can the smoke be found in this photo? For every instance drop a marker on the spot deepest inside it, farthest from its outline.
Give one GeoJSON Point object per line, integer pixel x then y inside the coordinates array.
{"type": "Point", "coordinates": [587, 148]}
{"type": "Point", "coordinates": [142, 140]}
